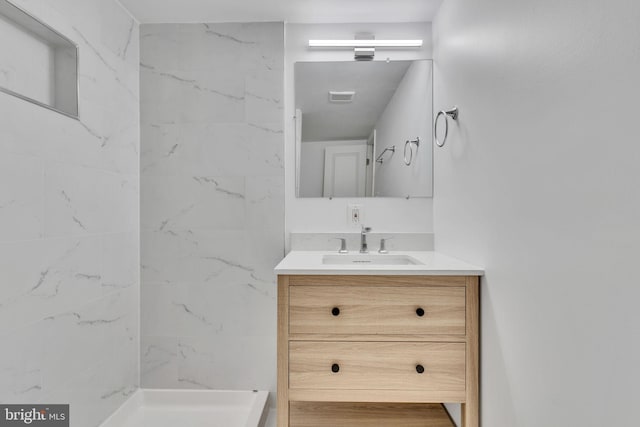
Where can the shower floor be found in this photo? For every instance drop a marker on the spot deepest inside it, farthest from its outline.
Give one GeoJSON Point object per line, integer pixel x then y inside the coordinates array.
{"type": "Point", "coordinates": [191, 408]}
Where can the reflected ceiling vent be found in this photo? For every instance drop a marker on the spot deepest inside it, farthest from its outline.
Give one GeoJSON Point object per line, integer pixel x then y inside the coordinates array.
{"type": "Point", "coordinates": [341, 97]}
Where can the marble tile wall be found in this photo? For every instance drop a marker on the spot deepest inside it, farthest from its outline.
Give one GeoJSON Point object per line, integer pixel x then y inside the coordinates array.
{"type": "Point", "coordinates": [69, 225]}
{"type": "Point", "coordinates": [212, 210]}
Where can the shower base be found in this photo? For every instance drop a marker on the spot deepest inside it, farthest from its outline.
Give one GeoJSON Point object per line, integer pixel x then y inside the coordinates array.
{"type": "Point", "coordinates": [192, 408]}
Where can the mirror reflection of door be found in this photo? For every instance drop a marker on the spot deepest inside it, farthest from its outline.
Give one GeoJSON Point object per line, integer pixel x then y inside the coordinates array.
{"type": "Point", "coordinates": [345, 171]}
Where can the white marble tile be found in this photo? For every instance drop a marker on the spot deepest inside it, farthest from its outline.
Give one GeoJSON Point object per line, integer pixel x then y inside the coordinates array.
{"type": "Point", "coordinates": [265, 252]}
{"type": "Point", "coordinates": [80, 200]}
{"type": "Point", "coordinates": [95, 393]}
{"type": "Point", "coordinates": [266, 149]}
{"type": "Point", "coordinates": [246, 362]}
{"type": "Point", "coordinates": [207, 259]}
{"type": "Point", "coordinates": [265, 202]}
{"type": "Point", "coordinates": [21, 360]}
{"type": "Point", "coordinates": [122, 37]}
{"type": "Point", "coordinates": [78, 339]}
{"type": "Point", "coordinates": [120, 261]}
{"type": "Point", "coordinates": [196, 358]}
{"type": "Point", "coordinates": [178, 203]}
{"type": "Point", "coordinates": [194, 256]}
{"type": "Point", "coordinates": [69, 301]}
{"type": "Point", "coordinates": [264, 92]}
{"type": "Point", "coordinates": [196, 149]}
{"type": "Point", "coordinates": [158, 315]}
{"type": "Point", "coordinates": [21, 197]}
{"type": "Point", "coordinates": [209, 310]}
{"type": "Point", "coordinates": [267, 54]}
{"type": "Point", "coordinates": [159, 363]}
{"type": "Point", "coordinates": [113, 146]}
{"type": "Point", "coordinates": [190, 97]}
{"type": "Point", "coordinates": [44, 277]}
{"type": "Point", "coordinates": [232, 362]}
{"type": "Point", "coordinates": [206, 46]}
{"type": "Point", "coordinates": [108, 92]}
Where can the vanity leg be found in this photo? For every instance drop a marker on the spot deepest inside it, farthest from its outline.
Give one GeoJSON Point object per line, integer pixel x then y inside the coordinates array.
{"type": "Point", "coordinates": [471, 408]}
{"type": "Point", "coordinates": [283, 352]}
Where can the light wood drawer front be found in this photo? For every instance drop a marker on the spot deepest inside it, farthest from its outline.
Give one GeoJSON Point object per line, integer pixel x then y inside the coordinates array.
{"type": "Point", "coordinates": [376, 366]}
{"type": "Point", "coordinates": [376, 310]}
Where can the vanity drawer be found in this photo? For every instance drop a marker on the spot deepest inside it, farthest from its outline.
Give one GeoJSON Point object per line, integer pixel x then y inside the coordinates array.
{"type": "Point", "coordinates": [367, 310]}
{"type": "Point", "coordinates": [410, 366]}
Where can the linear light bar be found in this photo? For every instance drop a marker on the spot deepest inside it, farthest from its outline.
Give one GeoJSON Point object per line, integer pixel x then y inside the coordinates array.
{"type": "Point", "coordinates": [365, 43]}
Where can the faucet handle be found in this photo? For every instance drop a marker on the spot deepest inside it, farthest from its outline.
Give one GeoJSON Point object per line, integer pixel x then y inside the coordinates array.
{"type": "Point", "coordinates": [366, 229]}
{"type": "Point", "coordinates": [343, 245]}
{"type": "Point", "coordinates": [383, 248]}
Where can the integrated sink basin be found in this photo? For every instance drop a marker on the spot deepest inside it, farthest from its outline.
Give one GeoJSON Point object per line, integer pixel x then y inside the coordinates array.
{"type": "Point", "coordinates": [370, 259]}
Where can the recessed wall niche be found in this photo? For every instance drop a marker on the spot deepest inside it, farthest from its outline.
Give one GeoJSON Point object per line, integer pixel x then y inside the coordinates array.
{"type": "Point", "coordinates": [37, 63]}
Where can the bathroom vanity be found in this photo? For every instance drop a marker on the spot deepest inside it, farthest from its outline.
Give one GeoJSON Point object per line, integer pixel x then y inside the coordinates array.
{"type": "Point", "coordinates": [361, 342]}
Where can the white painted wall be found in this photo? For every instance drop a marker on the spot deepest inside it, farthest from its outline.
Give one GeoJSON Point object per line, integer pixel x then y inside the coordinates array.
{"type": "Point", "coordinates": [317, 215]}
{"type": "Point", "coordinates": [539, 183]}
{"type": "Point", "coordinates": [312, 165]}
{"type": "Point", "coordinates": [407, 116]}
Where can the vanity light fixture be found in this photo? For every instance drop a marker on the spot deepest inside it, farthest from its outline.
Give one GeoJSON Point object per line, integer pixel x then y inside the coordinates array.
{"type": "Point", "coordinates": [364, 48]}
{"type": "Point", "coordinates": [365, 43]}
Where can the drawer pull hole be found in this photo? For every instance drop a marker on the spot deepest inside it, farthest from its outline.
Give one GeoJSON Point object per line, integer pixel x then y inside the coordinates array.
{"type": "Point", "coordinates": [420, 312]}
{"type": "Point", "coordinates": [335, 368]}
{"type": "Point", "coordinates": [419, 369]}
{"type": "Point", "coordinates": [335, 311]}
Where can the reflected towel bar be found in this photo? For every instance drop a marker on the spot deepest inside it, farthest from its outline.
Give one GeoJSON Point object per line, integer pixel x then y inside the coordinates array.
{"type": "Point", "coordinates": [380, 159]}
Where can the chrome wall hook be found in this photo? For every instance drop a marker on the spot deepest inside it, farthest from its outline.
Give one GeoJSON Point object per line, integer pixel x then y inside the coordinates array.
{"type": "Point", "coordinates": [453, 113]}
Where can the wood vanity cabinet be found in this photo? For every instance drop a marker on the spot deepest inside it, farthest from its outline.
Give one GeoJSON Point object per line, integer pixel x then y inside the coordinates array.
{"type": "Point", "coordinates": [376, 350]}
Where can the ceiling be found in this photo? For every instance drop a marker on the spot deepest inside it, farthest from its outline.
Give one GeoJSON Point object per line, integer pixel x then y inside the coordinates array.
{"type": "Point", "coordinates": [375, 83]}
{"type": "Point", "coordinates": [298, 11]}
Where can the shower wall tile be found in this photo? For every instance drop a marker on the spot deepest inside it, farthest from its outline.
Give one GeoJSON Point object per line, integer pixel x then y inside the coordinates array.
{"type": "Point", "coordinates": [44, 277]}
{"type": "Point", "coordinates": [254, 360]}
{"type": "Point", "coordinates": [120, 261]}
{"type": "Point", "coordinates": [21, 197]}
{"type": "Point", "coordinates": [229, 149]}
{"type": "Point", "coordinates": [212, 211]}
{"type": "Point", "coordinates": [201, 364]}
{"type": "Point", "coordinates": [69, 225]}
{"type": "Point", "coordinates": [22, 364]}
{"type": "Point", "coordinates": [174, 257]}
{"type": "Point", "coordinates": [265, 157]}
{"type": "Point", "coordinates": [159, 361]}
{"type": "Point", "coordinates": [186, 203]}
{"type": "Point", "coordinates": [264, 92]}
{"type": "Point", "coordinates": [80, 200]}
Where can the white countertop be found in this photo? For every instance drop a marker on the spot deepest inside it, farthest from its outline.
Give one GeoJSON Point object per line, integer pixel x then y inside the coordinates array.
{"type": "Point", "coordinates": [432, 264]}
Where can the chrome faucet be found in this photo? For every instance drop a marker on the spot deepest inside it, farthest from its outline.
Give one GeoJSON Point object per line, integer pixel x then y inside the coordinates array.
{"type": "Point", "coordinates": [363, 240]}
{"type": "Point", "coordinates": [343, 245]}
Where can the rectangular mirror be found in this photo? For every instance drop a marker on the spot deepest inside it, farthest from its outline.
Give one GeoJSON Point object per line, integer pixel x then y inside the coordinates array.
{"type": "Point", "coordinates": [48, 74]}
{"type": "Point", "coordinates": [363, 128]}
